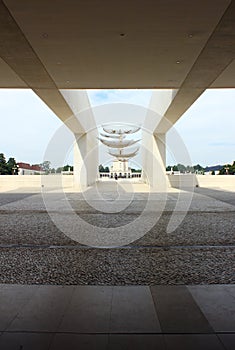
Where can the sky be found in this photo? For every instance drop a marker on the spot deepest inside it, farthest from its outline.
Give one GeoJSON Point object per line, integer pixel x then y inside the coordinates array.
{"type": "Point", "coordinates": [207, 128]}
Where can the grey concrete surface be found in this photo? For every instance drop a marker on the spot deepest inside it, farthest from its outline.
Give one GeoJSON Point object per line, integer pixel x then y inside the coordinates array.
{"type": "Point", "coordinates": [177, 310]}
{"type": "Point", "coordinates": [228, 340]}
{"type": "Point", "coordinates": [163, 291]}
{"type": "Point", "coordinates": [85, 303]}
{"type": "Point", "coordinates": [132, 305]}
{"type": "Point", "coordinates": [218, 304]}
{"type": "Point", "coordinates": [200, 250]}
{"type": "Point", "coordinates": [193, 342]}
{"type": "Point", "coordinates": [104, 317]}
{"type": "Point", "coordinates": [44, 310]}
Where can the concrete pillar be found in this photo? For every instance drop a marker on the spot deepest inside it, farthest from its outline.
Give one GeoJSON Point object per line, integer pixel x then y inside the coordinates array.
{"type": "Point", "coordinates": [86, 142]}
{"type": "Point", "coordinates": [154, 161]}
{"type": "Point", "coordinates": [154, 142]}
{"type": "Point", "coordinates": [161, 180]}
{"type": "Point", "coordinates": [85, 159]}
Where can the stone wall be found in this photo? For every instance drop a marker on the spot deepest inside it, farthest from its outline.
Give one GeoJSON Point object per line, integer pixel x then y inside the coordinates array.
{"type": "Point", "coordinates": [186, 181]}
{"type": "Point", "coordinates": [11, 182]}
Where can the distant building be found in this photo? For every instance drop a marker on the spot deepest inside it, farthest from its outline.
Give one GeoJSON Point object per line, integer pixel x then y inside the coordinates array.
{"type": "Point", "coordinates": [27, 169]}
{"type": "Point", "coordinates": [120, 169]}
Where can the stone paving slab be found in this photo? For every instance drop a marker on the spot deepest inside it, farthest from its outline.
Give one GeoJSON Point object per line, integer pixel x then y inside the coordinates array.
{"type": "Point", "coordinates": [177, 310]}
{"type": "Point", "coordinates": [79, 342]}
{"type": "Point", "coordinates": [44, 310]}
{"type": "Point", "coordinates": [88, 311]}
{"type": "Point", "coordinates": [13, 299]}
{"type": "Point", "coordinates": [193, 342]}
{"type": "Point", "coordinates": [218, 305]}
{"type": "Point", "coordinates": [25, 341]}
{"type": "Point", "coordinates": [130, 312]}
{"type": "Point", "coordinates": [228, 340]}
{"type": "Point", "coordinates": [133, 311]}
{"type": "Point", "coordinates": [137, 342]}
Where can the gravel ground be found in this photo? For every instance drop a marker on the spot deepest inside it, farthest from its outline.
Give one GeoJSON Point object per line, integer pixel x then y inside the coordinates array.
{"type": "Point", "coordinates": [197, 228]}
{"type": "Point", "coordinates": [117, 266]}
{"type": "Point", "coordinates": [34, 251]}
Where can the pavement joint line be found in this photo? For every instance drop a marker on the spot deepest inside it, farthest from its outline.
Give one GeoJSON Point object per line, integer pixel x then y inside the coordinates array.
{"type": "Point", "coordinates": [77, 247]}
{"type": "Point", "coordinates": [116, 333]}
{"type": "Point", "coordinates": [164, 212]}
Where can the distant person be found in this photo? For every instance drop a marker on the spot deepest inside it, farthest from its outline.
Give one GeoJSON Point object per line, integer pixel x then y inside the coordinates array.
{"type": "Point", "coordinates": [116, 177]}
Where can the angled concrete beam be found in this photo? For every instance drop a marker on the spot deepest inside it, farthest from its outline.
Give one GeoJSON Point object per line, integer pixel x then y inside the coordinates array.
{"type": "Point", "coordinates": [17, 52]}
{"type": "Point", "coordinates": [216, 56]}
{"type": "Point", "coordinates": [79, 103]}
{"type": "Point", "coordinates": [158, 105]}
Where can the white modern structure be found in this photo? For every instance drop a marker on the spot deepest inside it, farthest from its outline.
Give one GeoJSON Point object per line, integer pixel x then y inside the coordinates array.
{"type": "Point", "coordinates": [120, 168]}
{"type": "Point", "coordinates": [181, 47]}
{"type": "Point", "coordinates": [120, 148]}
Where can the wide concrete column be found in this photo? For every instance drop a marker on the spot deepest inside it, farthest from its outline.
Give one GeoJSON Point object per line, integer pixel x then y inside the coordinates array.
{"type": "Point", "coordinates": [154, 142]}
{"type": "Point", "coordinates": [85, 159]}
{"type": "Point", "coordinates": [86, 142]}
{"type": "Point", "coordinates": [154, 161]}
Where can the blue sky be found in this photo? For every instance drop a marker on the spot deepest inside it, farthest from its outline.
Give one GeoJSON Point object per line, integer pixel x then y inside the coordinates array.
{"type": "Point", "coordinates": [207, 128]}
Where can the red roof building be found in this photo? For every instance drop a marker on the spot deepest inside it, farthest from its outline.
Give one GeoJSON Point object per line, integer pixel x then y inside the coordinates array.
{"type": "Point", "coordinates": [27, 169]}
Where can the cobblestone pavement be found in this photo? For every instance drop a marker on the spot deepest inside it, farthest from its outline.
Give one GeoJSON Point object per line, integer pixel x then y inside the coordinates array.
{"type": "Point", "coordinates": [200, 251]}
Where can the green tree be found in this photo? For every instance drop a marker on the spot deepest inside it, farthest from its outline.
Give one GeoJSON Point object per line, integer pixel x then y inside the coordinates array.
{"type": "Point", "coordinates": [101, 168]}
{"type": "Point", "coordinates": [227, 169]}
{"type": "Point", "coordinates": [181, 168]}
{"type": "Point", "coordinates": [68, 168]}
{"type": "Point", "coordinates": [58, 170]}
{"type": "Point", "coordinates": [3, 165]}
{"type": "Point", "coordinates": [231, 170]}
{"type": "Point", "coordinates": [189, 169]}
{"type": "Point", "coordinates": [222, 171]}
{"type": "Point", "coordinates": [198, 167]}
{"type": "Point", "coordinates": [135, 170]}
{"type": "Point", "coordinates": [12, 168]}
{"type": "Point", "coordinates": [46, 165]}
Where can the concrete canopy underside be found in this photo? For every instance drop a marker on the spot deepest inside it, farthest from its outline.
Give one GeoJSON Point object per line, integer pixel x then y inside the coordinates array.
{"type": "Point", "coordinates": [183, 45]}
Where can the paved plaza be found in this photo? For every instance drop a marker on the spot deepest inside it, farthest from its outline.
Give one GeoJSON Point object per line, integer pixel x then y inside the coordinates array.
{"type": "Point", "coordinates": [165, 290]}
{"type": "Point", "coordinates": [199, 251]}
{"type": "Point", "coordinates": [113, 317]}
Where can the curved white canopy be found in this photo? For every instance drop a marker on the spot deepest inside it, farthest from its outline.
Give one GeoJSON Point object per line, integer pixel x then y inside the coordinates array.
{"type": "Point", "coordinates": [123, 156]}
{"type": "Point", "coordinates": [118, 131]}
{"type": "Point", "coordinates": [118, 144]}
{"type": "Point", "coordinates": [112, 136]}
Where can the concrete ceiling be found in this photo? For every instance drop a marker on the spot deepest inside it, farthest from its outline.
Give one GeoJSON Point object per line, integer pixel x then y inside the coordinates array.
{"type": "Point", "coordinates": [80, 44]}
